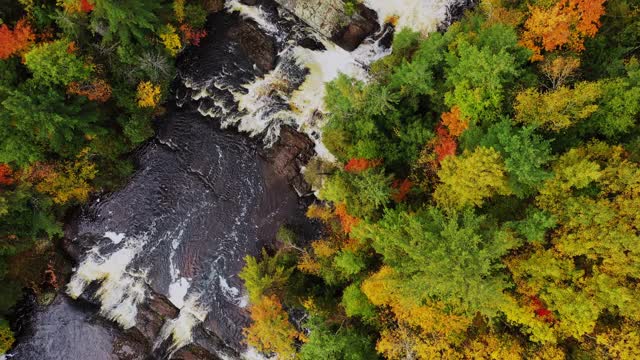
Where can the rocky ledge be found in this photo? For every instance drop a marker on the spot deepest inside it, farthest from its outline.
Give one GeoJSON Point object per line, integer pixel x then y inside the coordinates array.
{"type": "Point", "coordinates": [330, 19]}
{"type": "Point", "coordinates": [288, 155]}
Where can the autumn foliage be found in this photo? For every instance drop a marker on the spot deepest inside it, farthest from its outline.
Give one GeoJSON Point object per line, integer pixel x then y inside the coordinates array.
{"type": "Point", "coordinates": [148, 94]}
{"type": "Point", "coordinates": [97, 90]}
{"type": "Point", "coordinates": [271, 330]}
{"type": "Point", "coordinates": [495, 226]}
{"type": "Point", "coordinates": [451, 127]}
{"type": "Point", "coordinates": [454, 122]}
{"type": "Point", "coordinates": [66, 182]}
{"type": "Point", "coordinates": [444, 144]}
{"type": "Point", "coordinates": [16, 41]}
{"type": "Point", "coordinates": [192, 36]}
{"type": "Point", "coordinates": [86, 6]}
{"type": "Point", "coordinates": [6, 337]}
{"type": "Point", "coordinates": [77, 6]}
{"type": "Point", "coordinates": [171, 40]}
{"type": "Point", "coordinates": [357, 165]}
{"type": "Point", "coordinates": [401, 189]}
{"type": "Point", "coordinates": [50, 277]}
{"type": "Point", "coordinates": [564, 25]}
{"type": "Point", "coordinates": [6, 175]}
{"type": "Point", "coordinates": [347, 221]}
{"type": "Point", "coordinates": [540, 309]}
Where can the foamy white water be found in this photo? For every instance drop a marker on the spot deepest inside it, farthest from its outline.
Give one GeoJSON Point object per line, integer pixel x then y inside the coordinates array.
{"type": "Point", "coordinates": [120, 291]}
{"type": "Point", "coordinates": [253, 354]}
{"type": "Point", "coordinates": [306, 103]}
{"type": "Point", "coordinates": [116, 238]}
{"type": "Point", "coordinates": [180, 330]}
{"type": "Point", "coordinates": [254, 13]}
{"type": "Point", "coordinates": [419, 15]}
{"type": "Point", "coordinates": [178, 290]}
{"type": "Point", "coordinates": [325, 66]}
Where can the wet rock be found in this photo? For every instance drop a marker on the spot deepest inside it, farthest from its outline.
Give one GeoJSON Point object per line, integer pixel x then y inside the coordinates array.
{"type": "Point", "coordinates": [192, 352]}
{"type": "Point", "coordinates": [352, 35]}
{"type": "Point", "coordinates": [68, 330]}
{"type": "Point", "coordinates": [258, 47]}
{"type": "Point", "coordinates": [152, 315]}
{"type": "Point", "coordinates": [213, 6]}
{"type": "Point", "coordinates": [289, 154]}
{"type": "Point", "coordinates": [455, 12]}
{"type": "Point", "coordinates": [202, 199]}
{"type": "Point", "coordinates": [362, 24]}
{"type": "Point", "coordinates": [329, 18]}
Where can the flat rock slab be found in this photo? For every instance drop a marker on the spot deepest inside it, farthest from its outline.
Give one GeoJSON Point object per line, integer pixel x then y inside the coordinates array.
{"type": "Point", "coordinates": [329, 18]}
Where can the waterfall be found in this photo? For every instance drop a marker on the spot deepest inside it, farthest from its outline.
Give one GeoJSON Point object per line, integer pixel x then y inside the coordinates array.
{"type": "Point", "coordinates": [179, 330]}
{"type": "Point", "coordinates": [283, 96]}
{"type": "Point", "coordinates": [419, 15]}
{"type": "Point", "coordinates": [120, 290]}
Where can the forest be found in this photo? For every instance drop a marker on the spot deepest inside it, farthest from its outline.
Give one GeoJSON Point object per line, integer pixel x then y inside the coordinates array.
{"type": "Point", "coordinates": [80, 81]}
{"type": "Point", "coordinates": [485, 201]}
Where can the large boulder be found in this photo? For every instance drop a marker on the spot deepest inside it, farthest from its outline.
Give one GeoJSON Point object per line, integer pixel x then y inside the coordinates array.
{"type": "Point", "coordinates": [258, 47]}
{"type": "Point", "coordinates": [329, 18]}
{"type": "Point", "coordinates": [288, 155]}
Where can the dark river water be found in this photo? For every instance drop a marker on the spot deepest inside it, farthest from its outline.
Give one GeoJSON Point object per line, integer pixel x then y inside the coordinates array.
{"type": "Point", "coordinates": [202, 199]}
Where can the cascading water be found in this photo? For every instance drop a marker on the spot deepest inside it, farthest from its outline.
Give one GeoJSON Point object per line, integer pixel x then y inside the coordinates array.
{"type": "Point", "coordinates": [292, 93]}
{"type": "Point", "coordinates": [419, 15]}
{"type": "Point", "coordinates": [203, 198]}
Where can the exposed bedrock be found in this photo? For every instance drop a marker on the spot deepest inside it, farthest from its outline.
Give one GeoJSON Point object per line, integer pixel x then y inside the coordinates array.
{"type": "Point", "coordinates": [329, 18]}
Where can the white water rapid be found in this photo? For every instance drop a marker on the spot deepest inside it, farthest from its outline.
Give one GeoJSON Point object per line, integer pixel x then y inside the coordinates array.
{"type": "Point", "coordinates": [423, 16]}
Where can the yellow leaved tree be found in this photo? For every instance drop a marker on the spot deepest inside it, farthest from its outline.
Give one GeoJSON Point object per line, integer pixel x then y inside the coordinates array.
{"type": "Point", "coordinates": [471, 178]}
{"type": "Point", "coordinates": [148, 94]}
{"type": "Point", "coordinates": [171, 40]}
{"type": "Point", "coordinates": [565, 24]}
{"type": "Point", "coordinates": [70, 181]}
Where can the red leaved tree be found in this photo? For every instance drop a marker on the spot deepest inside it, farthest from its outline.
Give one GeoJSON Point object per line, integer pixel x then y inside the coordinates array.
{"type": "Point", "coordinates": [6, 175]}
{"type": "Point", "coordinates": [541, 310]}
{"type": "Point", "coordinates": [192, 36]}
{"type": "Point", "coordinates": [445, 145]}
{"type": "Point", "coordinates": [357, 165]}
{"type": "Point", "coordinates": [401, 189]}
{"type": "Point", "coordinates": [86, 6]}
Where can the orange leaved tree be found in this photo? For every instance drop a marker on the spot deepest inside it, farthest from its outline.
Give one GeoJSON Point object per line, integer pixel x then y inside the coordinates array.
{"type": "Point", "coordinates": [563, 25]}
{"type": "Point", "coordinates": [16, 41]}
{"type": "Point", "coordinates": [97, 90]}
{"type": "Point", "coordinates": [271, 330]}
